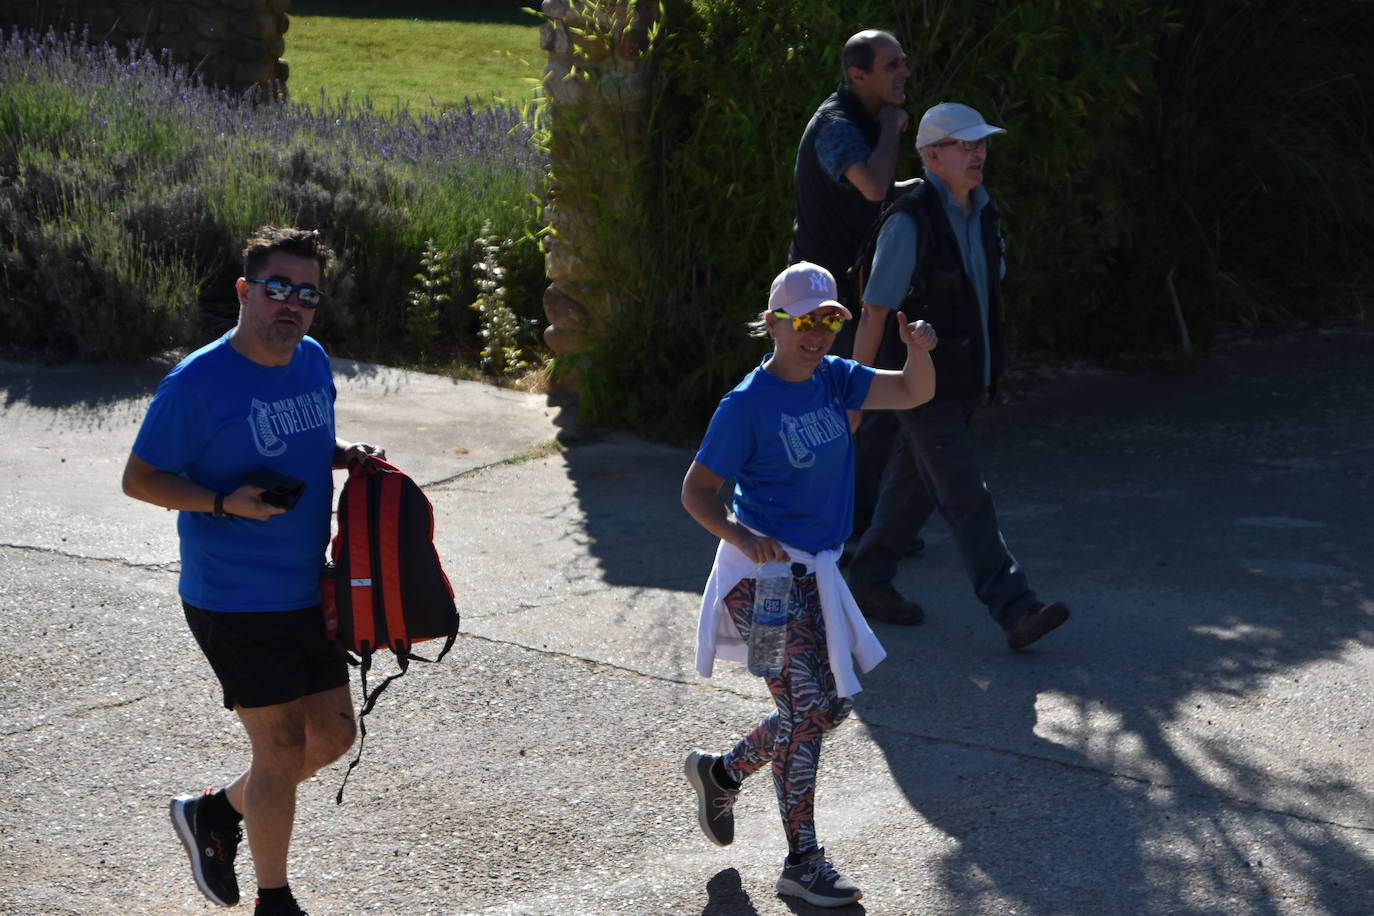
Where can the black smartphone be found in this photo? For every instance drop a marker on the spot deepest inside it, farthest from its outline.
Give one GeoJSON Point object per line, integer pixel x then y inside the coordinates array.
{"type": "Point", "coordinates": [277, 489]}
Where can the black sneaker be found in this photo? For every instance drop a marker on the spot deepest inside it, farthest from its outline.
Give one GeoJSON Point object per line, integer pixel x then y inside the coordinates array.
{"type": "Point", "coordinates": [715, 805]}
{"type": "Point", "coordinates": [886, 605]}
{"type": "Point", "coordinates": [211, 849]}
{"type": "Point", "coordinates": [289, 908]}
{"type": "Point", "coordinates": [1035, 623]}
{"type": "Point", "coordinates": [815, 880]}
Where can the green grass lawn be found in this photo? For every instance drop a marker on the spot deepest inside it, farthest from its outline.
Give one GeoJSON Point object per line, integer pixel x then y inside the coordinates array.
{"type": "Point", "coordinates": [409, 52]}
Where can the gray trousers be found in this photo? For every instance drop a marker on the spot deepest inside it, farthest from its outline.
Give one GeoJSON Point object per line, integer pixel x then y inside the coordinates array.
{"type": "Point", "coordinates": [932, 468]}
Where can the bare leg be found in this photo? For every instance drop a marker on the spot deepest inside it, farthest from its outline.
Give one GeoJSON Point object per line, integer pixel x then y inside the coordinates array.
{"type": "Point", "coordinates": [291, 742]}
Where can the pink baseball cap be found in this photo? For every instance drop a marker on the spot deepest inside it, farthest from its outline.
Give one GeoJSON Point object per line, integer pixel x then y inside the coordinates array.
{"type": "Point", "coordinates": [804, 287]}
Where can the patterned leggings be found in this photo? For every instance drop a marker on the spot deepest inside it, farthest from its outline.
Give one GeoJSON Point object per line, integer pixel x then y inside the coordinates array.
{"type": "Point", "coordinates": [790, 736]}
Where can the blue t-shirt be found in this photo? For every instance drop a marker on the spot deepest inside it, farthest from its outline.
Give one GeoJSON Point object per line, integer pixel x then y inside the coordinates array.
{"type": "Point", "coordinates": [787, 447]}
{"type": "Point", "coordinates": [215, 418]}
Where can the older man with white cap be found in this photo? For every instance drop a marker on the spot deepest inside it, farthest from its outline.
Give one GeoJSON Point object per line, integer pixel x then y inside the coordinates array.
{"type": "Point", "coordinates": [939, 255]}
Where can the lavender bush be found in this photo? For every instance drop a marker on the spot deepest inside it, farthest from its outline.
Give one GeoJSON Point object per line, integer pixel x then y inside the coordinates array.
{"type": "Point", "coordinates": [126, 186]}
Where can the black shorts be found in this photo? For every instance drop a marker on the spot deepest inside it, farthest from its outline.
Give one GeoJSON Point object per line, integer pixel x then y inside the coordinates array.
{"type": "Point", "coordinates": [263, 658]}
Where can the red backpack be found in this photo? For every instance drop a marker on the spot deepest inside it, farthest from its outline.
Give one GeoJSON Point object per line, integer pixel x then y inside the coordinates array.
{"type": "Point", "coordinates": [384, 587]}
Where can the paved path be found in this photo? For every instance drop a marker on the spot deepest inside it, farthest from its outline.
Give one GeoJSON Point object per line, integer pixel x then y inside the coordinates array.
{"type": "Point", "coordinates": [1197, 740]}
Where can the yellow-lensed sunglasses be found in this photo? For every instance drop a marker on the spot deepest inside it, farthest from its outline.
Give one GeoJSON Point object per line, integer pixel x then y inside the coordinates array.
{"type": "Point", "coordinates": [831, 322]}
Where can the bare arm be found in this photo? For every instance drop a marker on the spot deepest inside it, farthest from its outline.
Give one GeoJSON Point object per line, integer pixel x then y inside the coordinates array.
{"type": "Point", "coordinates": [869, 334]}
{"type": "Point", "coordinates": [915, 384]}
{"type": "Point", "coordinates": [873, 177]}
{"type": "Point", "coordinates": [701, 499]}
{"type": "Point", "coordinates": [866, 339]}
{"type": "Point", "coordinates": [163, 488]}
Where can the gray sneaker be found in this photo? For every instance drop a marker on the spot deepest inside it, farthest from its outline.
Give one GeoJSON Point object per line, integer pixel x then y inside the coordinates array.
{"type": "Point", "coordinates": [715, 806]}
{"type": "Point", "coordinates": [211, 849]}
{"type": "Point", "coordinates": [815, 880]}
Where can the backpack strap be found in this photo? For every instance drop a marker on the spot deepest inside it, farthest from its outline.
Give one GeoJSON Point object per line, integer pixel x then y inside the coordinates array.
{"type": "Point", "coordinates": [863, 261]}
{"type": "Point", "coordinates": [389, 521]}
{"type": "Point", "coordinates": [360, 563]}
{"type": "Point", "coordinates": [364, 663]}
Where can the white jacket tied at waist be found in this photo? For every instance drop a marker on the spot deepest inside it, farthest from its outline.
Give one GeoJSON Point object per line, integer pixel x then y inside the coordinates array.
{"type": "Point", "coordinates": [847, 634]}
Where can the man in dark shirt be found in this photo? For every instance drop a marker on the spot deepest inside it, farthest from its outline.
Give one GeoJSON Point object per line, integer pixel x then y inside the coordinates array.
{"type": "Point", "coordinates": [845, 169]}
{"type": "Point", "coordinates": [847, 160]}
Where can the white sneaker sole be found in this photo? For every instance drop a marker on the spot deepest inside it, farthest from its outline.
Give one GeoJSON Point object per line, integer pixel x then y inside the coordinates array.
{"type": "Point", "coordinates": [789, 888]}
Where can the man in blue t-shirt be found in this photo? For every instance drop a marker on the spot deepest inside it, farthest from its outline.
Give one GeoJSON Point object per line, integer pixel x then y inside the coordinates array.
{"type": "Point", "coordinates": [240, 439]}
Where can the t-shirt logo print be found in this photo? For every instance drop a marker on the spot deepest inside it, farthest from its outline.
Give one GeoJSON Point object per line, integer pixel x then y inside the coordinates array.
{"type": "Point", "coordinates": [271, 422]}
{"type": "Point", "coordinates": [267, 442]}
{"type": "Point", "coordinates": [802, 435]}
{"type": "Point", "coordinates": [799, 455]}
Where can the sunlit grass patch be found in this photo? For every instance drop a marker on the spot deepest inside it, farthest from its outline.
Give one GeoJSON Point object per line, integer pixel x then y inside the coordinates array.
{"type": "Point", "coordinates": [410, 62]}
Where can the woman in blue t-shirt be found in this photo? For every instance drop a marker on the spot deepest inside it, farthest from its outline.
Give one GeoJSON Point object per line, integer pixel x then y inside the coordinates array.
{"type": "Point", "coordinates": [783, 436]}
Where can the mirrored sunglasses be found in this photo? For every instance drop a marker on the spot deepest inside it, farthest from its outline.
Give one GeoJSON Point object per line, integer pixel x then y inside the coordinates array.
{"type": "Point", "coordinates": [831, 322]}
{"type": "Point", "coordinates": [279, 289]}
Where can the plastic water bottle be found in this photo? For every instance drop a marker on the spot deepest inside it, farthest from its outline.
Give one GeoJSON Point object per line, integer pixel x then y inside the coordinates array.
{"type": "Point", "coordinates": [768, 632]}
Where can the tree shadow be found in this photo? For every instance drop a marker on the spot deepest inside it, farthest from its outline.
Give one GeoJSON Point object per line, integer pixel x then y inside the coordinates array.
{"type": "Point", "coordinates": [78, 387]}
{"type": "Point", "coordinates": [1160, 753]}
{"type": "Point", "coordinates": [1164, 744]}
{"type": "Point", "coordinates": [628, 495]}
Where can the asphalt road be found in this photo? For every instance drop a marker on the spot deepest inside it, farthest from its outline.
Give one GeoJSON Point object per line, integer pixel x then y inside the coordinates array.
{"type": "Point", "coordinates": [1196, 740]}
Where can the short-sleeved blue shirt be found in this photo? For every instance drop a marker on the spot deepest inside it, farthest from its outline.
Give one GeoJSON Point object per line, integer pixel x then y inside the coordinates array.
{"type": "Point", "coordinates": [840, 144]}
{"type": "Point", "coordinates": [788, 448]}
{"type": "Point", "coordinates": [215, 418]}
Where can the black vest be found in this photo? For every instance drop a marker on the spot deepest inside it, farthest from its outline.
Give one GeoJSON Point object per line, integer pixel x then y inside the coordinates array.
{"type": "Point", "coordinates": [832, 219]}
{"type": "Point", "coordinates": [940, 292]}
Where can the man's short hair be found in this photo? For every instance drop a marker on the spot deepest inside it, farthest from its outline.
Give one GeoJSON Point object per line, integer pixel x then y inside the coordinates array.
{"type": "Point", "coordinates": [858, 51]}
{"type": "Point", "coordinates": [302, 243]}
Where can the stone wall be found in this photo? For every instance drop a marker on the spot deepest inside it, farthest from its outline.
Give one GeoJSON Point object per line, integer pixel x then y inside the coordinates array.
{"type": "Point", "coordinates": [597, 90]}
{"type": "Point", "coordinates": [232, 43]}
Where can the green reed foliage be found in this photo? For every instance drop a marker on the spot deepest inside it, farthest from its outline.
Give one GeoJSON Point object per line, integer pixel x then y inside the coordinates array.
{"type": "Point", "coordinates": [1215, 155]}
{"type": "Point", "coordinates": [1258, 155]}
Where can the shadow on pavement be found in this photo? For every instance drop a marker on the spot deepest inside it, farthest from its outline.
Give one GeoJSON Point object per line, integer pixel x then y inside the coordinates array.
{"type": "Point", "coordinates": [1206, 531]}
{"type": "Point", "coordinates": [726, 896]}
{"type": "Point", "coordinates": [1209, 530]}
{"type": "Point", "coordinates": [79, 388]}
{"type": "Point", "coordinates": [628, 492]}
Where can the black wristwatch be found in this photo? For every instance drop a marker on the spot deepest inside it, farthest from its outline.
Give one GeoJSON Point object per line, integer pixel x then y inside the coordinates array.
{"type": "Point", "coordinates": [219, 507]}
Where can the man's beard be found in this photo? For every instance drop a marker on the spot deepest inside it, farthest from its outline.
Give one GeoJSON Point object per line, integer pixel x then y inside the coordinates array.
{"type": "Point", "coordinates": [282, 334]}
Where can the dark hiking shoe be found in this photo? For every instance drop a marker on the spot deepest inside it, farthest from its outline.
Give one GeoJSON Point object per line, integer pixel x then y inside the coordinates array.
{"type": "Point", "coordinates": [886, 605]}
{"type": "Point", "coordinates": [815, 880]}
{"type": "Point", "coordinates": [211, 849]}
{"type": "Point", "coordinates": [715, 805]}
{"type": "Point", "coordinates": [1035, 623]}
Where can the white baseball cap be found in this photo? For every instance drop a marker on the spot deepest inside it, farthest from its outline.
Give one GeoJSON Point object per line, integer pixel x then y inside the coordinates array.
{"type": "Point", "coordinates": [804, 287]}
{"type": "Point", "coordinates": [950, 119]}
